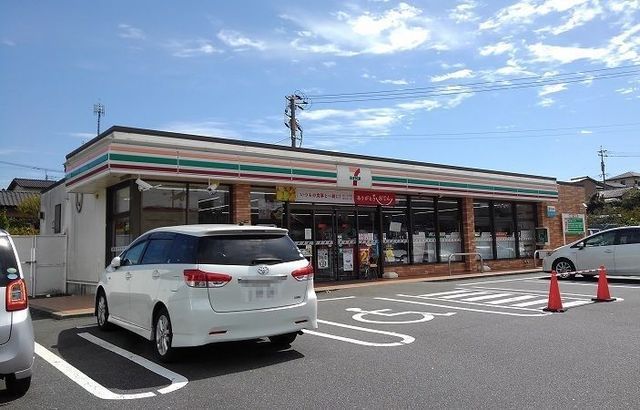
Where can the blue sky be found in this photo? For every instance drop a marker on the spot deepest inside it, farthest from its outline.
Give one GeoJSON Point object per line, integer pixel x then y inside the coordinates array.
{"type": "Point", "coordinates": [224, 68]}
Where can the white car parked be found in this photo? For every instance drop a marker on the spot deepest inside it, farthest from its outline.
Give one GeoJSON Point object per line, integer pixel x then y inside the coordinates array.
{"type": "Point", "coordinates": [617, 249]}
{"type": "Point", "coordinates": [197, 284]}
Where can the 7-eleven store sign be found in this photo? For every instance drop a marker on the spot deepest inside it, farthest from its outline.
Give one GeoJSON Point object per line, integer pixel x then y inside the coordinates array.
{"type": "Point", "coordinates": [354, 177]}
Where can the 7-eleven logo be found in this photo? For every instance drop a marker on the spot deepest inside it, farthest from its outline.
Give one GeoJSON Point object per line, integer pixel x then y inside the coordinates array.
{"type": "Point", "coordinates": [355, 178]}
{"type": "Point", "coordinates": [350, 177]}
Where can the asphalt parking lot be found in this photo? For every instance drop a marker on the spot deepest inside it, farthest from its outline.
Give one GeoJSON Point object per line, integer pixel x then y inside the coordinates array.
{"type": "Point", "coordinates": [471, 343]}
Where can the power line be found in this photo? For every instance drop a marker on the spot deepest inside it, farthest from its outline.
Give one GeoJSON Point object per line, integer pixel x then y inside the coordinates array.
{"type": "Point", "coordinates": [32, 167]}
{"type": "Point", "coordinates": [452, 90]}
{"type": "Point", "coordinates": [403, 91]}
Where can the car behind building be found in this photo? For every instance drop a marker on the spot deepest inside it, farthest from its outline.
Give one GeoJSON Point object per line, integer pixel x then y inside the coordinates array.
{"type": "Point", "coordinates": [16, 329]}
{"type": "Point", "coordinates": [197, 284]}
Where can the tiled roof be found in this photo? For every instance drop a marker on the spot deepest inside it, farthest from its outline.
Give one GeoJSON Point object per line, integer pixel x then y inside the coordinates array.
{"type": "Point", "coordinates": [27, 183]}
{"type": "Point", "coordinates": [14, 198]}
{"type": "Point", "coordinates": [615, 193]}
{"type": "Point", "coordinates": [626, 175]}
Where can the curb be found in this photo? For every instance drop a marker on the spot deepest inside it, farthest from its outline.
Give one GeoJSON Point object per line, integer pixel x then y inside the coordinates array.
{"type": "Point", "coordinates": [62, 314]}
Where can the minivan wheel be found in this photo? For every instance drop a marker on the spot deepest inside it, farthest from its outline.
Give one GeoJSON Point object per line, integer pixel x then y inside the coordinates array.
{"type": "Point", "coordinates": [282, 341]}
{"type": "Point", "coordinates": [163, 336]}
{"type": "Point", "coordinates": [102, 312]}
{"type": "Point", "coordinates": [563, 268]}
{"type": "Point", "coordinates": [17, 387]}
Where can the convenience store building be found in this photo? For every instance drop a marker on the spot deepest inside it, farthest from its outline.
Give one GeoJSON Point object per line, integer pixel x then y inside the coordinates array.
{"type": "Point", "coordinates": [353, 216]}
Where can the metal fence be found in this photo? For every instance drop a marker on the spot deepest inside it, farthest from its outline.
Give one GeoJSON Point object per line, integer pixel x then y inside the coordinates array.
{"type": "Point", "coordinates": [44, 263]}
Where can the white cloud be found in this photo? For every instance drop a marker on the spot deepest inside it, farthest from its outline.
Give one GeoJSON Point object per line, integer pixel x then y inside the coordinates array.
{"type": "Point", "coordinates": [551, 89]}
{"type": "Point", "coordinates": [395, 82]}
{"type": "Point", "coordinates": [526, 11]}
{"type": "Point", "coordinates": [83, 135]}
{"type": "Point", "coordinates": [427, 105]}
{"type": "Point", "coordinates": [464, 12]}
{"type": "Point", "coordinates": [394, 30]}
{"type": "Point", "coordinates": [8, 42]}
{"type": "Point", "coordinates": [564, 55]}
{"type": "Point", "coordinates": [192, 48]}
{"type": "Point", "coordinates": [496, 49]}
{"type": "Point", "coordinates": [238, 41]}
{"type": "Point", "coordinates": [127, 31]}
{"type": "Point", "coordinates": [329, 64]}
{"type": "Point", "coordinates": [466, 73]}
{"type": "Point", "coordinates": [585, 132]}
{"type": "Point", "coordinates": [625, 91]}
{"type": "Point", "coordinates": [546, 102]}
{"type": "Point", "coordinates": [580, 16]}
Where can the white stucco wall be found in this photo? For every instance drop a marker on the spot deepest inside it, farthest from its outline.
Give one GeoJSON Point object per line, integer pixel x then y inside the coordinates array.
{"type": "Point", "coordinates": [86, 230]}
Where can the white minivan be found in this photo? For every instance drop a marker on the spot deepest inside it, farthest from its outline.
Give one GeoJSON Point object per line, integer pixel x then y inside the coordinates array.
{"type": "Point", "coordinates": [617, 249]}
{"type": "Point", "coordinates": [197, 284]}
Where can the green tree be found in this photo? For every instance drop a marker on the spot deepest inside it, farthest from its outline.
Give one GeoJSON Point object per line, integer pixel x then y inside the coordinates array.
{"type": "Point", "coordinates": [29, 209]}
{"type": "Point", "coordinates": [630, 200]}
{"type": "Point", "coordinates": [4, 219]}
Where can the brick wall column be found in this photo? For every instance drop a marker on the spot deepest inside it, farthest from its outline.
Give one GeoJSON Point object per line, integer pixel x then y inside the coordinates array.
{"type": "Point", "coordinates": [468, 232]}
{"type": "Point", "coordinates": [241, 203]}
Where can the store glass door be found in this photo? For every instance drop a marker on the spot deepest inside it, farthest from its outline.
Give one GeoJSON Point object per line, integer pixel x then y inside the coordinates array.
{"type": "Point", "coordinates": [347, 234]}
{"type": "Point", "coordinates": [368, 243]}
{"type": "Point", "coordinates": [325, 249]}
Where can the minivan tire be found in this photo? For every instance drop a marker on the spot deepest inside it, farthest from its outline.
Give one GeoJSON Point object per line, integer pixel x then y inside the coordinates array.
{"type": "Point", "coordinates": [102, 312]}
{"type": "Point", "coordinates": [17, 387]}
{"type": "Point", "coordinates": [163, 336]}
{"type": "Point", "coordinates": [282, 341]}
{"type": "Point", "coordinates": [564, 263]}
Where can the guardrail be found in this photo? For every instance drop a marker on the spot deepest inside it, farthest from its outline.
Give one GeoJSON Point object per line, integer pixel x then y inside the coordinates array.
{"type": "Point", "coordinates": [466, 254]}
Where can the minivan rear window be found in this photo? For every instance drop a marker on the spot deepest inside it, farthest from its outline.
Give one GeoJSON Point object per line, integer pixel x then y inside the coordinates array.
{"type": "Point", "coordinates": [247, 250]}
{"type": "Point", "coordinates": [8, 263]}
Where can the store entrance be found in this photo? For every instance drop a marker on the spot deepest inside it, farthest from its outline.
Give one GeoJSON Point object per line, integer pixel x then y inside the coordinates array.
{"type": "Point", "coordinates": [342, 242]}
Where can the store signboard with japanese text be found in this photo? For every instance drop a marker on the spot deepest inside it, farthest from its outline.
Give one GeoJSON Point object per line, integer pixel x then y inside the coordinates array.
{"type": "Point", "coordinates": [333, 196]}
{"type": "Point", "coordinates": [574, 224]}
{"type": "Point", "coordinates": [374, 198]}
{"type": "Point", "coordinates": [354, 177]}
{"type": "Point", "coordinates": [324, 195]}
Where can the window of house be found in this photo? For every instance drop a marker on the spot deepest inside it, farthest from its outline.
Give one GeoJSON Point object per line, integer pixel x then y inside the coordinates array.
{"type": "Point", "coordinates": [209, 207]}
{"type": "Point", "coordinates": [483, 228]}
{"type": "Point", "coordinates": [504, 226]}
{"type": "Point", "coordinates": [164, 205]}
{"type": "Point", "coordinates": [395, 234]}
{"type": "Point", "coordinates": [526, 217]}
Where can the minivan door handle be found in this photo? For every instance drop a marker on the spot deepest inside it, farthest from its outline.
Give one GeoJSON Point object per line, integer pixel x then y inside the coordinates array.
{"type": "Point", "coordinates": [608, 251]}
{"type": "Point", "coordinates": [155, 274]}
{"type": "Point", "coordinates": [127, 275]}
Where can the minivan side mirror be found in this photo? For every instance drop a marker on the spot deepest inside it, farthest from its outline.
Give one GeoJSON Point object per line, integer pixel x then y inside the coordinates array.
{"type": "Point", "coordinates": [581, 245]}
{"type": "Point", "coordinates": [115, 262]}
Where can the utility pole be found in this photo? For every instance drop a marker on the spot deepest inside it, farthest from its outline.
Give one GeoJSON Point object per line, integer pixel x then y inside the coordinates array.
{"type": "Point", "coordinates": [603, 153]}
{"type": "Point", "coordinates": [98, 109]}
{"type": "Point", "coordinates": [295, 101]}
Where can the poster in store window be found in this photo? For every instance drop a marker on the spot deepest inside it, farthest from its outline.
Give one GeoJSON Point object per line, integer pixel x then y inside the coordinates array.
{"type": "Point", "coordinates": [323, 258]}
{"type": "Point", "coordinates": [347, 259]}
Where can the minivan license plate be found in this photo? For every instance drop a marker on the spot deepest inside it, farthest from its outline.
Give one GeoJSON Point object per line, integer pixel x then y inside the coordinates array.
{"type": "Point", "coordinates": [260, 293]}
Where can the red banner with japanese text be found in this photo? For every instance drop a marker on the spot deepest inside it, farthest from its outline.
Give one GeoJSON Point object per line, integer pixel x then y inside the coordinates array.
{"type": "Point", "coordinates": [362, 197]}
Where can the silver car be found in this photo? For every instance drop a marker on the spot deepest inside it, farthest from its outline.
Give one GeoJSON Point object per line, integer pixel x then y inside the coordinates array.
{"type": "Point", "coordinates": [16, 330]}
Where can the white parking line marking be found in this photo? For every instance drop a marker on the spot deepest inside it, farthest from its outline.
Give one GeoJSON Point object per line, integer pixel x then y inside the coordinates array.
{"type": "Point", "coordinates": [177, 381]}
{"type": "Point", "coordinates": [83, 380]}
{"type": "Point", "coordinates": [576, 303]}
{"type": "Point", "coordinates": [451, 292]}
{"type": "Point", "coordinates": [532, 302]}
{"type": "Point", "coordinates": [504, 280]}
{"type": "Point", "coordinates": [424, 316]}
{"type": "Point", "coordinates": [404, 339]}
{"type": "Point", "coordinates": [533, 292]}
{"type": "Point", "coordinates": [86, 326]}
{"type": "Point", "coordinates": [463, 295]}
{"type": "Point", "coordinates": [466, 309]}
{"type": "Point", "coordinates": [514, 299]}
{"type": "Point", "coordinates": [330, 299]}
{"type": "Point", "coordinates": [485, 297]}
{"type": "Point", "coordinates": [468, 303]}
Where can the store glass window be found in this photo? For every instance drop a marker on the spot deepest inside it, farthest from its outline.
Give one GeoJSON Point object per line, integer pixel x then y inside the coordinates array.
{"type": "Point", "coordinates": [424, 230]}
{"type": "Point", "coordinates": [395, 233]}
{"type": "Point", "coordinates": [265, 210]}
{"type": "Point", "coordinates": [483, 230]}
{"type": "Point", "coordinates": [122, 200]}
{"type": "Point", "coordinates": [163, 205]}
{"type": "Point", "coordinates": [449, 226]}
{"type": "Point", "coordinates": [121, 235]}
{"type": "Point", "coordinates": [209, 207]}
{"type": "Point", "coordinates": [368, 249]}
{"type": "Point", "coordinates": [526, 217]}
{"type": "Point", "coordinates": [504, 230]}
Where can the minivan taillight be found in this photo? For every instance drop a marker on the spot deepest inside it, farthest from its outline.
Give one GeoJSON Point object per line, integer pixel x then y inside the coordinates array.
{"type": "Point", "coordinates": [305, 273]}
{"type": "Point", "coordinates": [16, 296]}
{"type": "Point", "coordinates": [197, 278]}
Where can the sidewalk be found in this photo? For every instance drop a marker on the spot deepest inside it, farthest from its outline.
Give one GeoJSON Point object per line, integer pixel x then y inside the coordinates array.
{"type": "Point", "coordinates": [64, 307]}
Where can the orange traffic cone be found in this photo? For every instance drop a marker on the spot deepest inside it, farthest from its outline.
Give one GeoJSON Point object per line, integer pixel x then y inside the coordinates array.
{"type": "Point", "coordinates": [555, 302]}
{"type": "Point", "coordinates": [603, 287]}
